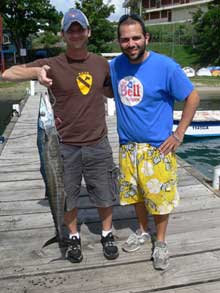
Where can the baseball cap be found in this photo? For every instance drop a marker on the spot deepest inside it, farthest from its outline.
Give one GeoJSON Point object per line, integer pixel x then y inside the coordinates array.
{"type": "Point", "coordinates": [74, 15]}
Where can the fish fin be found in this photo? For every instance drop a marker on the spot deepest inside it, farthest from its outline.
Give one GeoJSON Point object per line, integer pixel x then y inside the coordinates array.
{"type": "Point", "coordinates": [50, 241]}
{"type": "Point", "coordinates": [62, 246]}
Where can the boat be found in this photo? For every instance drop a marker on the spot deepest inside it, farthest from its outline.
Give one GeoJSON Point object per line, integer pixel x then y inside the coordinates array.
{"type": "Point", "coordinates": [189, 71]}
{"type": "Point", "coordinates": [215, 70]}
{"type": "Point", "coordinates": [204, 124]}
{"type": "Point", "coordinates": [203, 72]}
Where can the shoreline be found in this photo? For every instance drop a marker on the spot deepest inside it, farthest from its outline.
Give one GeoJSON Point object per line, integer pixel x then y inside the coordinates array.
{"type": "Point", "coordinates": [205, 88]}
{"type": "Point", "coordinates": [199, 88]}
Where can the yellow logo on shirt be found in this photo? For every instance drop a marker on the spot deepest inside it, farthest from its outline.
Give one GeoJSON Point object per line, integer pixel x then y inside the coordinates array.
{"type": "Point", "coordinates": [84, 82]}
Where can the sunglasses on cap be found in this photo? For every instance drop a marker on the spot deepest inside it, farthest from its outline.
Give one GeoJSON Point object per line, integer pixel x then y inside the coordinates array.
{"type": "Point", "coordinates": [132, 15]}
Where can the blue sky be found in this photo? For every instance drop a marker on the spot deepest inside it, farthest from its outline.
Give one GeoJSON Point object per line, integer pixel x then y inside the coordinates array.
{"type": "Point", "coordinates": [65, 5]}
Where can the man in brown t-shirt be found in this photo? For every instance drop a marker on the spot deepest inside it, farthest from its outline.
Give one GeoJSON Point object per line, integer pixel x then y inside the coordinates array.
{"type": "Point", "coordinates": [78, 80]}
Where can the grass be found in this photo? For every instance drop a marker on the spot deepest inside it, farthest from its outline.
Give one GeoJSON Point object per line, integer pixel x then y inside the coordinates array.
{"type": "Point", "coordinates": [13, 91]}
{"type": "Point", "coordinates": [10, 93]}
{"type": "Point", "coordinates": [179, 53]}
{"type": "Point", "coordinates": [209, 81]}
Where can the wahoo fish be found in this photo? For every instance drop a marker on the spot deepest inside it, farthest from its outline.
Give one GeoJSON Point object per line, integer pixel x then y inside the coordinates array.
{"type": "Point", "coordinates": [53, 167]}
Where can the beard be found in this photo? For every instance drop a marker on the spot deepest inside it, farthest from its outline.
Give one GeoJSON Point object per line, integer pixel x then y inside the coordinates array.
{"type": "Point", "coordinates": [137, 56]}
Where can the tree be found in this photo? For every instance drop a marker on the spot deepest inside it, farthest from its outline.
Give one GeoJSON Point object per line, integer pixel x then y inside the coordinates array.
{"type": "Point", "coordinates": [133, 5]}
{"type": "Point", "coordinates": [207, 34]}
{"type": "Point", "coordinates": [26, 17]}
{"type": "Point", "coordinates": [103, 31]}
{"type": "Point", "coordinates": [45, 40]}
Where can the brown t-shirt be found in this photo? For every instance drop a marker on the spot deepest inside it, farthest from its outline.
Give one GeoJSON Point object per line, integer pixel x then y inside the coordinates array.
{"type": "Point", "coordinates": [78, 87]}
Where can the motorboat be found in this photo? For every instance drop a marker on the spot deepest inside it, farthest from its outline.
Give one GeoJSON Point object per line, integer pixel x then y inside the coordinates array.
{"type": "Point", "coordinates": [204, 124]}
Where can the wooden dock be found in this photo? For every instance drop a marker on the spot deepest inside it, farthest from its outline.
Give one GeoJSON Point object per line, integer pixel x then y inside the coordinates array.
{"type": "Point", "coordinates": [26, 223]}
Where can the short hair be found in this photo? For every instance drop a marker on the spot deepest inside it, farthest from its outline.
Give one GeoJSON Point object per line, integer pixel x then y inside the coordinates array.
{"type": "Point", "coordinates": [131, 19]}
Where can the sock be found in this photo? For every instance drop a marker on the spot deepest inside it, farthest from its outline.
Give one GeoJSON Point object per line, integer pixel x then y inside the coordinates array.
{"type": "Point", "coordinates": [105, 233]}
{"type": "Point", "coordinates": [74, 235]}
{"type": "Point", "coordinates": [144, 233]}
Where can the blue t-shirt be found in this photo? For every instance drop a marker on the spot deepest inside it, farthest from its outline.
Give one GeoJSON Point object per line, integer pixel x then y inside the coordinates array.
{"type": "Point", "coordinates": [144, 96]}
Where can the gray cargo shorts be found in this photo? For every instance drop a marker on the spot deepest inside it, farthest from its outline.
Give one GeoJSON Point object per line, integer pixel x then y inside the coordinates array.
{"type": "Point", "coordinates": [95, 164]}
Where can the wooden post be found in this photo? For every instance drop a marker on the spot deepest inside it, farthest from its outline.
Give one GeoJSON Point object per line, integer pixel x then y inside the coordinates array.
{"type": "Point", "coordinates": [32, 87]}
{"type": "Point", "coordinates": [110, 107]}
{"type": "Point", "coordinates": [216, 178]}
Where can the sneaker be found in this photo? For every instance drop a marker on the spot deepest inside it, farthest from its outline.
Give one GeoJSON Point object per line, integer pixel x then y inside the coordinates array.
{"type": "Point", "coordinates": [135, 240]}
{"type": "Point", "coordinates": [74, 253]}
{"type": "Point", "coordinates": [110, 249]}
{"type": "Point", "coordinates": [160, 255]}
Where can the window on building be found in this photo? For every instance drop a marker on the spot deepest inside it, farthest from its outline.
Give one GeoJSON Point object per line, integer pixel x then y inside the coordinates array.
{"type": "Point", "coordinates": [166, 2]}
{"type": "Point", "coordinates": [146, 3]}
{"type": "Point", "coordinates": [164, 14]}
{"type": "Point", "coordinates": [155, 15]}
{"type": "Point", "coordinates": [6, 40]}
{"type": "Point", "coordinates": [146, 16]}
{"type": "Point", "coordinates": [158, 3]}
{"type": "Point", "coordinates": [152, 3]}
{"type": "Point", "coordinates": [169, 14]}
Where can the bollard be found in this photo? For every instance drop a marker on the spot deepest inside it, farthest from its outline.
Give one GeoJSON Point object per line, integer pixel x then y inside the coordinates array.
{"type": "Point", "coordinates": [32, 87]}
{"type": "Point", "coordinates": [16, 110]}
{"type": "Point", "coordinates": [110, 107]}
{"type": "Point", "coordinates": [216, 178]}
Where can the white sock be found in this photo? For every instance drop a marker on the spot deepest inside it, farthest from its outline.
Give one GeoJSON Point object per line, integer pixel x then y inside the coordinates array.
{"type": "Point", "coordinates": [144, 233]}
{"type": "Point", "coordinates": [74, 235]}
{"type": "Point", "coordinates": [105, 233]}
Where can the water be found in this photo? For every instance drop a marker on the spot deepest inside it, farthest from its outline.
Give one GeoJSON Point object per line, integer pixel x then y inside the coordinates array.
{"type": "Point", "coordinates": [5, 114]}
{"type": "Point", "coordinates": [209, 101]}
{"type": "Point", "coordinates": [202, 153]}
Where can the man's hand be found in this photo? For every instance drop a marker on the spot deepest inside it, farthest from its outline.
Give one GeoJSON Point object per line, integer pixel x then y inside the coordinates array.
{"type": "Point", "coordinates": [42, 76]}
{"type": "Point", "coordinates": [170, 144]}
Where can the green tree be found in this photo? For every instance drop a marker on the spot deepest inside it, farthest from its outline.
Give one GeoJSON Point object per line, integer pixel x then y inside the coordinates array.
{"type": "Point", "coordinates": [133, 5]}
{"type": "Point", "coordinates": [103, 31]}
{"type": "Point", "coordinates": [45, 40]}
{"type": "Point", "coordinates": [207, 34]}
{"type": "Point", "coordinates": [26, 17]}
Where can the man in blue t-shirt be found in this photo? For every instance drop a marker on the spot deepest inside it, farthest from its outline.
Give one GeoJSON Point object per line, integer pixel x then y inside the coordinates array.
{"type": "Point", "coordinates": [145, 85]}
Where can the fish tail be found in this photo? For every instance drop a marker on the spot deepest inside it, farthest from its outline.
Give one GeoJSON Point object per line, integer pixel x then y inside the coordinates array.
{"type": "Point", "coordinates": [50, 241]}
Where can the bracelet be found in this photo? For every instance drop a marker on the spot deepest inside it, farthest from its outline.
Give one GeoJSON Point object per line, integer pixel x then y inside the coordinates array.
{"type": "Point", "coordinates": [177, 138]}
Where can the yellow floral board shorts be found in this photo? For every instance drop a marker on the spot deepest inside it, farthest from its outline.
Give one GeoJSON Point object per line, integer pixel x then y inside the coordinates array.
{"type": "Point", "coordinates": [148, 176]}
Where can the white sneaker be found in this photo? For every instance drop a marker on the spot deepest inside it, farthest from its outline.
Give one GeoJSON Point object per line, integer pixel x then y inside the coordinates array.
{"type": "Point", "coordinates": [135, 240]}
{"type": "Point", "coordinates": [160, 255]}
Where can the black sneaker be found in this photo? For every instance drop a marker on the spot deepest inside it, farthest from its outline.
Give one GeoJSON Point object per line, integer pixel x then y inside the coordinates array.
{"type": "Point", "coordinates": [110, 249]}
{"type": "Point", "coordinates": [74, 253]}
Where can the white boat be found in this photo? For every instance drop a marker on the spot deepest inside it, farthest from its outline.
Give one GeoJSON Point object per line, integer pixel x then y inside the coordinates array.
{"type": "Point", "coordinates": [204, 124]}
{"type": "Point", "coordinates": [189, 71]}
{"type": "Point", "coordinates": [203, 72]}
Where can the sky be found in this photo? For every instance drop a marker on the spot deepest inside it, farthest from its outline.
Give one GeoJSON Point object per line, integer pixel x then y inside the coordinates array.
{"type": "Point", "coordinates": [65, 5]}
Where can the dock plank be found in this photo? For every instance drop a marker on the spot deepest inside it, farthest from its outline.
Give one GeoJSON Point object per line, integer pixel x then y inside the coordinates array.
{"type": "Point", "coordinates": [32, 206]}
{"type": "Point", "coordinates": [190, 270]}
{"type": "Point", "coordinates": [26, 223]}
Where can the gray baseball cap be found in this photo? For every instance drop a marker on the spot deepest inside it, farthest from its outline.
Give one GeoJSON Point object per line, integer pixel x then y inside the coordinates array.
{"type": "Point", "coordinates": [74, 15]}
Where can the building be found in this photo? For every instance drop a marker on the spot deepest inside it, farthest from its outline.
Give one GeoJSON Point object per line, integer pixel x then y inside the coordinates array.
{"type": "Point", "coordinates": [7, 49]}
{"type": "Point", "coordinates": [167, 11]}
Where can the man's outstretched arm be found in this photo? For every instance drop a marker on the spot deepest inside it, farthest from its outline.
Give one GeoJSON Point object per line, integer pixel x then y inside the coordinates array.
{"type": "Point", "coordinates": [22, 73]}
